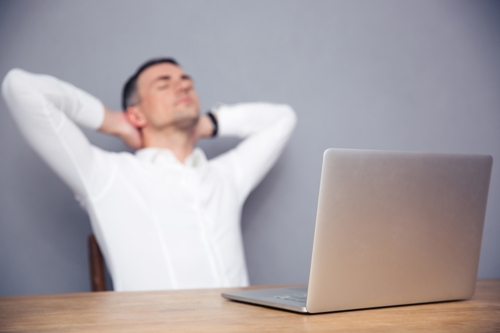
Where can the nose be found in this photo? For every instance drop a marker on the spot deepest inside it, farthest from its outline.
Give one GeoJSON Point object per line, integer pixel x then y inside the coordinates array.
{"type": "Point", "coordinates": [184, 86]}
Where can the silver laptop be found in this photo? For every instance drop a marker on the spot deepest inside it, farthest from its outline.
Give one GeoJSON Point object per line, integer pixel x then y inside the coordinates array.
{"type": "Point", "coordinates": [392, 228]}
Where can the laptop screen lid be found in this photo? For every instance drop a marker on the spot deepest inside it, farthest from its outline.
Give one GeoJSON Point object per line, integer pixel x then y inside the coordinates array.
{"type": "Point", "coordinates": [397, 228]}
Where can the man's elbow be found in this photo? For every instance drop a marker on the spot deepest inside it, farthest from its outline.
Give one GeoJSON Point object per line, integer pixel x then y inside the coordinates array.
{"type": "Point", "coordinates": [289, 114]}
{"type": "Point", "coordinates": [13, 82]}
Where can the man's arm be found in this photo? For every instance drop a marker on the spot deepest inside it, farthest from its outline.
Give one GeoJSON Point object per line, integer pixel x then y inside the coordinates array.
{"type": "Point", "coordinates": [46, 111]}
{"type": "Point", "coordinates": [265, 128]}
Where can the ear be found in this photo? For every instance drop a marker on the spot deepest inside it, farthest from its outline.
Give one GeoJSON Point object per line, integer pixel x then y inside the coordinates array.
{"type": "Point", "coordinates": [135, 117]}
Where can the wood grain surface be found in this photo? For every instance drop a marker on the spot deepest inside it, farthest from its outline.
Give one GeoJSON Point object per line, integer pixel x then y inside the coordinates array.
{"type": "Point", "coordinates": [207, 311]}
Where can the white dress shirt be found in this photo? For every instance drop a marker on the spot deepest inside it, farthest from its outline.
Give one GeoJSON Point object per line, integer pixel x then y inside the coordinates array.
{"type": "Point", "coordinates": [160, 223]}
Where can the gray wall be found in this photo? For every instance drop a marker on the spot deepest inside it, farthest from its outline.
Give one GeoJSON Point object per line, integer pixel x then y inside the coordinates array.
{"type": "Point", "coordinates": [392, 75]}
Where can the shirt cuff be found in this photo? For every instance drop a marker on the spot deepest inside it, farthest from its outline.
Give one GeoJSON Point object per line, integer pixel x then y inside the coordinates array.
{"type": "Point", "coordinates": [91, 110]}
{"type": "Point", "coordinates": [230, 122]}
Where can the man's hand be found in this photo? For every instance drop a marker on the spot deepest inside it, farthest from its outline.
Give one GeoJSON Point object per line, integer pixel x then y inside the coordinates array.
{"type": "Point", "coordinates": [204, 128]}
{"type": "Point", "coordinates": [116, 123]}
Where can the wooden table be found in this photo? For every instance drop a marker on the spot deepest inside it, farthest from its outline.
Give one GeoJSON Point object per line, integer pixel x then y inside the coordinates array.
{"type": "Point", "coordinates": [207, 311]}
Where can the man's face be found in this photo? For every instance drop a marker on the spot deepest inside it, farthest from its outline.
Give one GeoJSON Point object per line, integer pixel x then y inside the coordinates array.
{"type": "Point", "coordinates": [167, 97]}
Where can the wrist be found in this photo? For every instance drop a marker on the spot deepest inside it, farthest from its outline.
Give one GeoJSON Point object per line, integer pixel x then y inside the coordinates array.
{"type": "Point", "coordinates": [215, 124]}
{"type": "Point", "coordinates": [205, 127]}
{"type": "Point", "coordinates": [111, 123]}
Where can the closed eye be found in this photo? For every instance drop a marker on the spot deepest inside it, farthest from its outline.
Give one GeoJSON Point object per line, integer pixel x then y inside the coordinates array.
{"type": "Point", "coordinates": [162, 82]}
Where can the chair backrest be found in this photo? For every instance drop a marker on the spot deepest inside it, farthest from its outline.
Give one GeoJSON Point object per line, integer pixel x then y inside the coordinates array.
{"type": "Point", "coordinates": [96, 265]}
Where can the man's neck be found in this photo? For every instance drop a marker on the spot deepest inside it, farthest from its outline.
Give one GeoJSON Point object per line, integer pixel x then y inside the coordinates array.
{"type": "Point", "coordinates": [181, 143]}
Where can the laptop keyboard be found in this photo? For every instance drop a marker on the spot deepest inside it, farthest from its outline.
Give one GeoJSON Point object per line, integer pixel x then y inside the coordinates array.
{"type": "Point", "coordinates": [294, 297]}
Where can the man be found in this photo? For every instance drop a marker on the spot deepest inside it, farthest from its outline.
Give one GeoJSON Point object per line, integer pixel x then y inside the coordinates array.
{"type": "Point", "coordinates": [164, 217]}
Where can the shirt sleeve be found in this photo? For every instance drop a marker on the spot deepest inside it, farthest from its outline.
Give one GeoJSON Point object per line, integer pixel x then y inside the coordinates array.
{"type": "Point", "coordinates": [265, 129]}
{"type": "Point", "coordinates": [46, 110]}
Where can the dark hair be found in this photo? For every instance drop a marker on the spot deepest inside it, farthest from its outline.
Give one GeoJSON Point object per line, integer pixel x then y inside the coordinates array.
{"type": "Point", "coordinates": [129, 93]}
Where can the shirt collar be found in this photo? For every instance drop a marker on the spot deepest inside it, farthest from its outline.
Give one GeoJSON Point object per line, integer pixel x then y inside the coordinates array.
{"type": "Point", "coordinates": [163, 156]}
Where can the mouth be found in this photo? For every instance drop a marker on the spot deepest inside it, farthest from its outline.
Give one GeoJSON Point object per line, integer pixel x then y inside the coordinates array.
{"type": "Point", "coordinates": [184, 100]}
